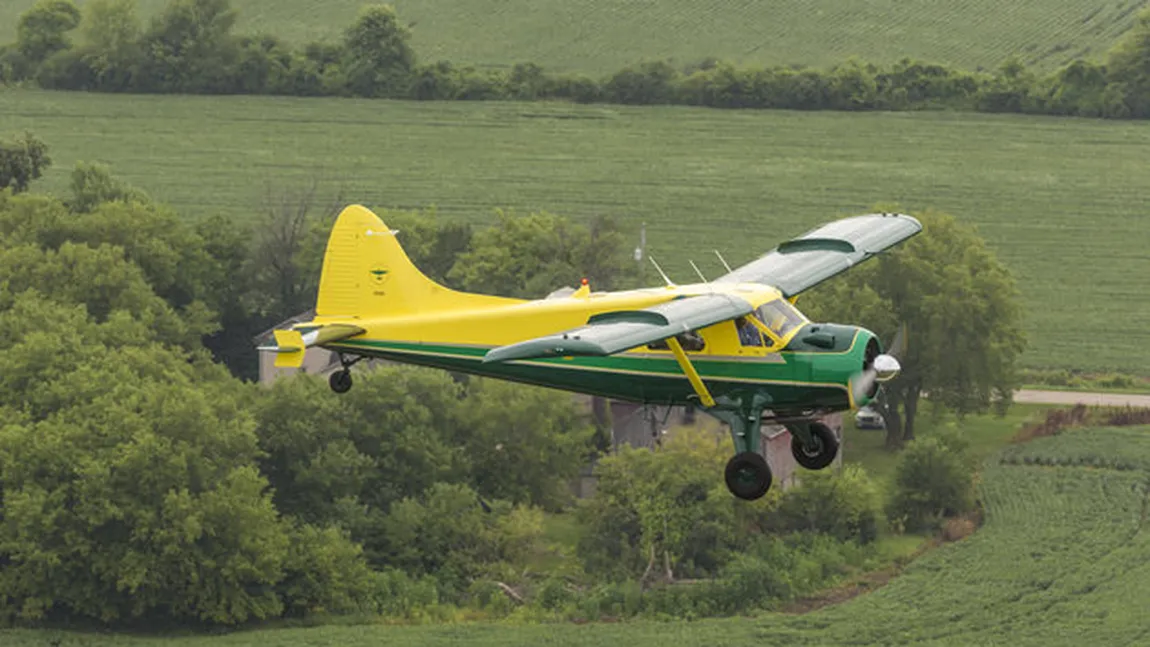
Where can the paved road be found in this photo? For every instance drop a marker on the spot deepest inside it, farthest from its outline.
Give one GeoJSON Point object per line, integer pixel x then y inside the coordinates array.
{"type": "Point", "coordinates": [1075, 397]}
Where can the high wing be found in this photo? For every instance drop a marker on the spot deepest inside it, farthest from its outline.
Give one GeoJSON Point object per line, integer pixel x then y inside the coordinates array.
{"type": "Point", "coordinates": [614, 332]}
{"type": "Point", "coordinates": [291, 344]}
{"type": "Point", "coordinates": [801, 263]}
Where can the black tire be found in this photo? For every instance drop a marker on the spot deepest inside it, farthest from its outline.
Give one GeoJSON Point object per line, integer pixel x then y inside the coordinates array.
{"type": "Point", "coordinates": [824, 451]}
{"type": "Point", "coordinates": [748, 476]}
{"type": "Point", "coordinates": [340, 381]}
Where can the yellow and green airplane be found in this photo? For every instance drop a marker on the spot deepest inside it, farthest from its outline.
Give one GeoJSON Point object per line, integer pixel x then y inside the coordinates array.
{"type": "Point", "coordinates": [735, 347]}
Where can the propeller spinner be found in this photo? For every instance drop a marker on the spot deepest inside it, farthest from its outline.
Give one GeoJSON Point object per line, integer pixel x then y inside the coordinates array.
{"type": "Point", "coordinates": [883, 368]}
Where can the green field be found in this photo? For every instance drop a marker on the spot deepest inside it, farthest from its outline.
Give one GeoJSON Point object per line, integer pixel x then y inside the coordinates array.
{"type": "Point", "coordinates": [601, 36]}
{"type": "Point", "coordinates": [1063, 558]}
{"type": "Point", "coordinates": [1063, 201]}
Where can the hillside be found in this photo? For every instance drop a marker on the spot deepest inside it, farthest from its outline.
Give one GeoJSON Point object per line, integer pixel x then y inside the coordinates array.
{"type": "Point", "coordinates": [599, 36]}
{"type": "Point", "coordinates": [1064, 557]}
{"type": "Point", "coordinates": [1061, 200]}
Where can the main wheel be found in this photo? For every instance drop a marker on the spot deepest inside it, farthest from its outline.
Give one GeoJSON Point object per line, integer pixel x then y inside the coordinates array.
{"type": "Point", "coordinates": [748, 476]}
{"type": "Point", "coordinates": [821, 453]}
{"type": "Point", "coordinates": [340, 381]}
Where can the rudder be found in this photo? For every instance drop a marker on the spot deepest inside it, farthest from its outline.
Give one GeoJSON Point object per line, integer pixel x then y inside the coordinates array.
{"type": "Point", "coordinates": [366, 273]}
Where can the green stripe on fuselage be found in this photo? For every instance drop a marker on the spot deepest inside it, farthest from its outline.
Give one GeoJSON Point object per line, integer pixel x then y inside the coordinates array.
{"type": "Point", "coordinates": [646, 378]}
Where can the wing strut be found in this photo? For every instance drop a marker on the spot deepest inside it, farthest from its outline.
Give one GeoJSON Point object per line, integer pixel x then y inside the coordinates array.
{"type": "Point", "coordinates": [692, 374]}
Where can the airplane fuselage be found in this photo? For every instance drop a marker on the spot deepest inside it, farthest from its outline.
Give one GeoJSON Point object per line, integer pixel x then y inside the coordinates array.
{"type": "Point", "coordinates": [799, 376]}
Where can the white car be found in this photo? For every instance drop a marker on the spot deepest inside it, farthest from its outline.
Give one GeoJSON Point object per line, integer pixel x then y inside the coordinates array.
{"type": "Point", "coordinates": [868, 418]}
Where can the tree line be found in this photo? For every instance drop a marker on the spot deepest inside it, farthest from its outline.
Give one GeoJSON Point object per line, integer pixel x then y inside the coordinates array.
{"type": "Point", "coordinates": [190, 48]}
{"type": "Point", "coordinates": [141, 481]}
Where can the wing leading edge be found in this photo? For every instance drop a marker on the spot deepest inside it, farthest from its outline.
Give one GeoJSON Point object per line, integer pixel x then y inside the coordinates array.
{"type": "Point", "coordinates": [614, 332]}
{"type": "Point", "coordinates": [804, 262]}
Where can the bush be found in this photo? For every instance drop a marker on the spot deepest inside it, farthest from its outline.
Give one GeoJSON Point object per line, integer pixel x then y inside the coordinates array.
{"type": "Point", "coordinates": [844, 506]}
{"type": "Point", "coordinates": [932, 482]}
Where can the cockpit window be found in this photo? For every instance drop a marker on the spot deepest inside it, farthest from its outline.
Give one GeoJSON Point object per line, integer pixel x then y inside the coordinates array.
{"type": "Point", "coordinates": [779, 316]}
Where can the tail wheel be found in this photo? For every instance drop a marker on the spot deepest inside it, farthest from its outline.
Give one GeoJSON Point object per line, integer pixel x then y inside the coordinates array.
{"type": "Point", "coordinates": [822, 451]}
{"type": "Point", "coordinates": [748, 476]}
{"type": "Point", "coordinates": [340, 381]}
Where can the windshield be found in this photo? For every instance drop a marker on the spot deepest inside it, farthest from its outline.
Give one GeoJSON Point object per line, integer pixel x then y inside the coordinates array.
{"type": "Point", "coordinates": [780, 317]}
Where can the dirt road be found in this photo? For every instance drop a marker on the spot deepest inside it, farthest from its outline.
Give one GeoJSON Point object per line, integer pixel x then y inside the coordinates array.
{"type": "Point", "coordinates": [1076, 397]}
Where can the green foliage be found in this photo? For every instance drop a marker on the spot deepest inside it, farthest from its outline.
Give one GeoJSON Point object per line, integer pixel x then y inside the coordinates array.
{"type": "Point", "coordinates": [128, 478]}
{"type": "Point", "coordinates": [325, 573]}
{"type": "Point", "coordinates": [973, 34]}
{"type": "Point", "coordinates": [531, 256]}
{"type": "Point", "coordinates": [1129, 67]}
{"type": "Point", "coordinates": [447, 534]}
{"type": "Point", "coordinates": [378, 59]}
{"type": "Point", "coordinates": [42, 30]}
{"type": "Point", "coordinates": [189, 48]}
{"type": "Point", "coordinates": [21, 161]}
{"type": "Point", "coordinates": [101, 280]}
{"type": "Point", "coordinates": [844, 506]}
{"type": "Point", "coordinates": [390, 438]}
{"type": "Point", "coordinates": [402, 433]}
{"type": "Point", "coordinates": [93, 185]}
{"type": "Point", "coordinates": [960, 306]}
{"type": "Point", "coordinates": [660, 513]}
{"type": "Point", "coordinates": [432, 244]}
{"type": "Point", "coordinates": [933, 480]}
{"type": "Point", "coordinates": [524, 444]}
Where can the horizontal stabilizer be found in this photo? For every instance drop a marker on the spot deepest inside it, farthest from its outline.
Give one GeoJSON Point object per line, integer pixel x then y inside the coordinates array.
{"type": "Point", "coordinates": [289, 348]}
{"type": "Point", "coordinates": [292, 344]}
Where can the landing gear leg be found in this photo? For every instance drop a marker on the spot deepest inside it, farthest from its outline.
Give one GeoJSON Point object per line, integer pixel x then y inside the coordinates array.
{"type": "Point", "coordinates": [747, 475]}
{"type": "Point", "coordinates": [340, 381]}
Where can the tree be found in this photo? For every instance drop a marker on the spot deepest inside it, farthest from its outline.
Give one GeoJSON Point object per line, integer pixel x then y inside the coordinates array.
{"type": "Point", "coordinates": [128, 484]}
{"type": "Point", "coordinates": [531, 256]}
{"type": "Point", "coordinates": [21, 161]}
{"type": "Point", "coordinates": [659, 512]}
{"type": "Point", "coordinates": [128, 478]}
{"type": "Point", "coordinates": [42, 30]}
{"type": "Point", "coordinates": [93, 185]}
{"type": "Point", "coordinates": [101, 280]}
{"type": "Point", "coordinates": [524, 444]}
{"type": "Point", "coordinates": [111, 43]}
{"type": "Point", "coordinates": [959, 304]}
{"type": "Point", "coordinates": [288, 248]}
{"type": "Point", "coordinates": [431, 244]}
{"type": "Point", "coordinates": [189, 47]}
{"type": "Point", "coordinates": [934, 479]}
{"type": "Point", "coordinates": [1128, 67]}
{"type": "Point", "coordinates": [379, 60]}
{"type": "Point", "coordinates": [443, 533]}
{"type": "Point", "coordinates": [346, 460]}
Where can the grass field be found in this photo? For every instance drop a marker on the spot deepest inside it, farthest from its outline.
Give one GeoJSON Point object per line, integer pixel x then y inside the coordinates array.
{"type": "Point", "coordinates": [1063, 201]}
{"type": "Point", "coordinates": [601, 36]}
{"type": "Point", "coordinates": [1063, 558]}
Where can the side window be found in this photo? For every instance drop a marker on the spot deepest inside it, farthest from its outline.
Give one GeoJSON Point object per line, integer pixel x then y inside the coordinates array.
{"type": "Point", "coordinates": [779, 317]}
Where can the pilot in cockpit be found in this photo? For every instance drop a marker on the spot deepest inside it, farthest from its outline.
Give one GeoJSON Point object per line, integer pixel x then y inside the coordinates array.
{"type": "Point", "coordinates": [749, 335]}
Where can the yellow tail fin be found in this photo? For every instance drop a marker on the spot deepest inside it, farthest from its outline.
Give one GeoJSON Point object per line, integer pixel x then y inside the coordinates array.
{"type": "Point", "coordinates": [366, 274]}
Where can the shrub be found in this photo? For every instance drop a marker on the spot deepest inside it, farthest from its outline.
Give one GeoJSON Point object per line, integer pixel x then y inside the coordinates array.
{"type": "Point", "coordinates": [932, 482]}
{"type": "Point", "coordinates": [844, 506]}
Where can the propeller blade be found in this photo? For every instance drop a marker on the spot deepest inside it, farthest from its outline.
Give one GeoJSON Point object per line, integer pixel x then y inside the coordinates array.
{"type": "Point", "coordinates": [862, 382]}
{"type": "Point", "coordinates": [898, 344]}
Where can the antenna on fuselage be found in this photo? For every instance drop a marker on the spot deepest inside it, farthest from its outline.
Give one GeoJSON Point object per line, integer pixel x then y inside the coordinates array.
{"type": "Point", "coordinates": [723, 260]}
{"type": "Point", "coordinates": [700, 274]}
{"type": "Point", "coordinates": [670, 283]}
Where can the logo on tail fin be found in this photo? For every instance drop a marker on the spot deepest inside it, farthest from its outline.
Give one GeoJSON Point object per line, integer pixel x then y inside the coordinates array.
{"type": "Point", "coordinates": [379, 275]}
